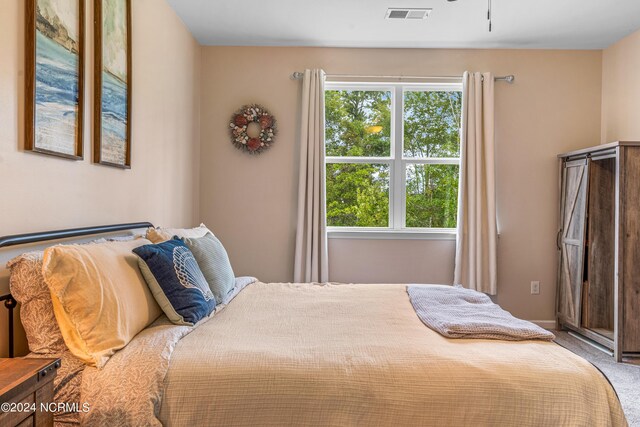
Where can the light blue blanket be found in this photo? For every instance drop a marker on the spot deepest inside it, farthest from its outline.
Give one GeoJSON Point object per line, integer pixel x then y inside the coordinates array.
{"type": "Point", "coordinates": [456, 312]}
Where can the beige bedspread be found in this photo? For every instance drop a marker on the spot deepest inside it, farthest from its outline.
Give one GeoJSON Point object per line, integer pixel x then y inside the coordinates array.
{"type": "Point", "coordinates": [347, 355]}
{"type": "Point", "coordinates": [127, 391]}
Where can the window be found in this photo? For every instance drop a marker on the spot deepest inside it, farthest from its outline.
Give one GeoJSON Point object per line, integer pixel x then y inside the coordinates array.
{"type": "Point", "coordinates": [392, 158]}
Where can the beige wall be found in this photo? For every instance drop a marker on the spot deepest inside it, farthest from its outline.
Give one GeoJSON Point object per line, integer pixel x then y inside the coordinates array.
{"type": "Point", "coordinates": [43, 193]}
{"type": "Point", "coordinates": [250, 202]}
{"type": "Point", "coordinates": [621, 90]}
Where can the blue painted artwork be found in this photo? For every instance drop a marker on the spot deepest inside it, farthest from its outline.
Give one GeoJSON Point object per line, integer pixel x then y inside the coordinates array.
{"type": "Point", "coordinates": [114, 119]}
{"type": "Point", "coordinates": [114, 82]}
{"type": "Point", "coordinates": [56, 76]}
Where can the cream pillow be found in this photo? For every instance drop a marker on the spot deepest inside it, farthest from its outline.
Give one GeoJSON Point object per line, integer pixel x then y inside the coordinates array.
{"type": "Point", "coordinates": [100, 299]}
{"type": "Point", "coordinates": [159, 235]}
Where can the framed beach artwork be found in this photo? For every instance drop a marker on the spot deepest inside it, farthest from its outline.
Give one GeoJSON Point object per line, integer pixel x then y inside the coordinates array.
{"type": "Point", "coordinates": [54, 77]}
{"type": "Point", "coordinates": [112, 102]}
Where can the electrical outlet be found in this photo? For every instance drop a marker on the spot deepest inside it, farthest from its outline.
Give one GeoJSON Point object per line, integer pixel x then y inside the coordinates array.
{"type": "Point", "coordinates": [535, 287]}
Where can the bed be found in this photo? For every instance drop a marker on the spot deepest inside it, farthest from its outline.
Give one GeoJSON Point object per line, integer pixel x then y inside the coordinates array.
{"type": "Point", "coordinates": [277, 354]}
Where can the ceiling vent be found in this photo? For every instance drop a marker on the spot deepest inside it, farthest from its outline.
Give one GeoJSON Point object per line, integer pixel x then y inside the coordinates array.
{"type": "Point", "coordinates": [407, 13]}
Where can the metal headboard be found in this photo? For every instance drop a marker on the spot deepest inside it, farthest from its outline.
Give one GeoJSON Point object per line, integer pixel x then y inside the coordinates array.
{"type": "Point", "coordinates": [23, 239]}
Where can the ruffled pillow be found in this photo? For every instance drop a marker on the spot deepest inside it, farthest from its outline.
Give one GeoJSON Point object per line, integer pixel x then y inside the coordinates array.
{"type": "Point", "coordinates": [36, 311]}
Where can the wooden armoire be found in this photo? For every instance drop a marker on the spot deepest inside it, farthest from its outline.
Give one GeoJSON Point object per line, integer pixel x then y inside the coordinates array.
{"type": "Point", "coordinates": [598, 293]}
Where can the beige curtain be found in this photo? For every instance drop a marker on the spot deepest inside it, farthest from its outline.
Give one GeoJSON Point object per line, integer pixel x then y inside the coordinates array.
{"type": "Point", "coordinates": [311, 260]}
{"type": "Point", "coordinates": [475, 263]}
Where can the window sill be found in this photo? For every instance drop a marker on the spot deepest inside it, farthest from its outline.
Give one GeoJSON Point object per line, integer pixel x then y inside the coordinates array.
{"type": "Point", "coordinates": [385, 234]}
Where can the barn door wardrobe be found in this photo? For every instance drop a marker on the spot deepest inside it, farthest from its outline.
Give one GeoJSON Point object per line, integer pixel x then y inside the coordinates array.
{"type": "Point", "coordinates": [598, 292]}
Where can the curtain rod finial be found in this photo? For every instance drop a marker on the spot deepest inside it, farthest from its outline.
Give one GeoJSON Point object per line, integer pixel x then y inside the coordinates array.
{"type": "Point", "coordinates": [297, 75]}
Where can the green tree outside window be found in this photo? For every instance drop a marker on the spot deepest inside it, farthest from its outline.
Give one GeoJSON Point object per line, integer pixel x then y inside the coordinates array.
{"type": "Point", "coordinates": [358, 132]}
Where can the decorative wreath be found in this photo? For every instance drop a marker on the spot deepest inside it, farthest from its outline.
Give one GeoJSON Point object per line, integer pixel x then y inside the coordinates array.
{"type": "Point", "coordinates": [239, 124]}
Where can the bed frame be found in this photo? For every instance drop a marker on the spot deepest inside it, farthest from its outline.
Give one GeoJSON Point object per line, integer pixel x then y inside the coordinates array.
{"type": "Point", "coordinates": [23, 239]}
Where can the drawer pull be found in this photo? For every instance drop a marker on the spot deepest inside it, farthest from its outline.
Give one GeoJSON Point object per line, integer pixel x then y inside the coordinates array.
{"type": "Point", "coordinates": [48, 370]}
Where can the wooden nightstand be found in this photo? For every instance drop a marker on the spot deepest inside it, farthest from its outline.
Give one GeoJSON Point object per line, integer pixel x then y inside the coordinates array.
{"type": "Point", "coordinates": [25, 384]}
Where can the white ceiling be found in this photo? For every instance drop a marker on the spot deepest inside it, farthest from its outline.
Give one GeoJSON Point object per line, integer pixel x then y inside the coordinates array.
{"type": "Point", "coordinates": [557, 24]}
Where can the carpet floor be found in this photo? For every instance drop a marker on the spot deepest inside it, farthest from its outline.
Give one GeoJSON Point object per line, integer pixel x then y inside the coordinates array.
{"type": "Point", "coordinates": [625, 376]}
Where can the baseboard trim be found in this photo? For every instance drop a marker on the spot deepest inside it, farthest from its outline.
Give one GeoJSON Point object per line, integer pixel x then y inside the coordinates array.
{"type": "Point", "coordinates": [546, 324]}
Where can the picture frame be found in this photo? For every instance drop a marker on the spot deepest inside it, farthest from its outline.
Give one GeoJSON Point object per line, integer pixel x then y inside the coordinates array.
{"type": "Point", "coordinates": [113, 83]}
{"type": "Point", "coordinates": [54, 77]}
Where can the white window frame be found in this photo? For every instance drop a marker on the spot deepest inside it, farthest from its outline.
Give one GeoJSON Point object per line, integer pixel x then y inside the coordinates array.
{"type": "Point", "coordinates": [397, 163]}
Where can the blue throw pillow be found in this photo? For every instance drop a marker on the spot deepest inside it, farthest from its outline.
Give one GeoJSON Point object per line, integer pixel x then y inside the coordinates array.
{"type": "Point", "coordinates": [175, 279]}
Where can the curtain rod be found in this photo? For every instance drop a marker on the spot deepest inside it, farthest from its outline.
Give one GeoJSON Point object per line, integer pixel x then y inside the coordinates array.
{"type": "Point", "coordinates": [297, 75]}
